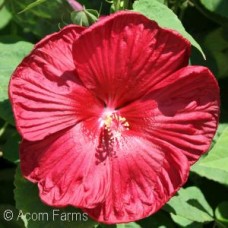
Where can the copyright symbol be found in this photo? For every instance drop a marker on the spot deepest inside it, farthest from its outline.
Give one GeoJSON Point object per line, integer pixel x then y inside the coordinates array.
{"type": "Point", "coordinates": [8, 215]}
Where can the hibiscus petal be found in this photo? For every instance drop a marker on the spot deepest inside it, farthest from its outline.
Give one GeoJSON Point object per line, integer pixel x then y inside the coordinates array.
{"type": "Point", "coordinates": [143, 177]}
{"type": "Point", "coordinates": [65, 167]}
{"type": "Point", "coordinates": [125, 50]}
{"type": "Point", "coordinates": [182, 111]}
{"type": "Point", "coordinates": [133, 184]}
{"type": "Point", "coordinates": [45, 92]}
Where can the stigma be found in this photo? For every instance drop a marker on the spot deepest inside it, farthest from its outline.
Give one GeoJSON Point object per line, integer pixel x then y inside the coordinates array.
{"type": "Point", "coordinates": [114, 123]}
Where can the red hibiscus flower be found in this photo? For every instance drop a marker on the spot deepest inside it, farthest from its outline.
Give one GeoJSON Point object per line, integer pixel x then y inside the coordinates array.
{"type": "Point", "coordinates": [112, 117]}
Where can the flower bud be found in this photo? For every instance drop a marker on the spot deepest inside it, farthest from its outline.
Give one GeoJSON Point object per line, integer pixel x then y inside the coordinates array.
{"type": "Point", "coordinates": [84, 17]}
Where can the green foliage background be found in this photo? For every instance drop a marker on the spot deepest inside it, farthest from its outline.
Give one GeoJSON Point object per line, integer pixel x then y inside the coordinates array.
{"type": "Point", "coordinates": [203, 201]}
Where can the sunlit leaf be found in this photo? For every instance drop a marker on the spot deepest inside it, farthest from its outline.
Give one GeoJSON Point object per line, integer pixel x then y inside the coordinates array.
{"type": "Point", "coordinates": [128, 225]}
{"type": "Point", "coordinates": [214, 165]}
{"type": "Point", "coordinates": [183, 222]}
{"type": "Point", "coordinates": [5, 15]}
{"type": "Point", "coordinates": [190, 204]}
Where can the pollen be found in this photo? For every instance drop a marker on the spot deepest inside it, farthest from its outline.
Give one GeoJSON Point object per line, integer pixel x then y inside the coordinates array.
{"type": "Point", "coordinates": [115, 124]}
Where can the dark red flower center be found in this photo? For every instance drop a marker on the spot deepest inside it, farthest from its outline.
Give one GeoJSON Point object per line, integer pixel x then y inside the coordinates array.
{"type": "Point", "coordinates": [112, 125]}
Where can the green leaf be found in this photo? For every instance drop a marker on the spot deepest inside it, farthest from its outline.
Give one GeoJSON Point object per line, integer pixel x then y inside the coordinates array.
{"type": "Point", "coordinates": [128, 225]}
{"type": "Point", "coordinates": [208, 11]}
{"type": "Point", "coordinates": [35, 214]}
{"type": "Point", "coordinates": [10, 56]}
{"type": "Point", "coordinates": [221, 213]}
{"type": "Point", "coordinates": [190, 204]}
{"type": "Point", "coordinates": [214, 165]}
{"type": "Point", "coordinates": [216, 6]}
{"type": "Point", "coordinates": [162, 1]}
{"type": "Point", "coordinates": [164, 17]}
{"type": "Point", "coordinates": [5, 15]}
{"type": "Point", "coordinates": [11, 148]}
{"type": "Point", "coordinates": [217, 46]}
{"type": "Point", "coordinates": [183, 222]}
{"type": "Point", "coordinates": [42, 19]}
{"type": "Point", "coordinates": [210, 173]}
{"type": "Point", "coordinates": [32, 5]}
{"type": "Point", "coordinates": [221, 128]}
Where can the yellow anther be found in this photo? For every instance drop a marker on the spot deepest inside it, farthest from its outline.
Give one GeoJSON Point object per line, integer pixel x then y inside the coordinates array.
{"type": "Point", "coordinates": [108, 121]}
{"type": "Point", "coordinates": [114, 124]}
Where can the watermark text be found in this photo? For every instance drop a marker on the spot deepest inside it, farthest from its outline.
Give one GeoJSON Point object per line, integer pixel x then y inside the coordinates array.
{"type": "Point", "coordinates": [53, 215]}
